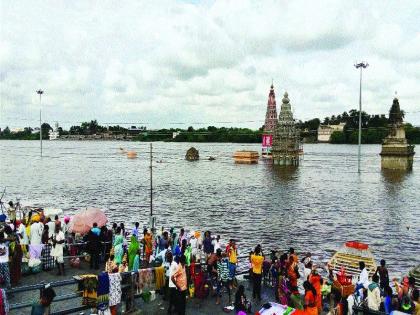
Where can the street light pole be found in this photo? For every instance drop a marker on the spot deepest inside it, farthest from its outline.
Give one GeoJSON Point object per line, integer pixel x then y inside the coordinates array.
{"type": "Point", "coordinates": [151, 187]}
{"type": "Point", "coordinates": [361, 65]}
{"type": "Point", "coordinates": [40, 92]}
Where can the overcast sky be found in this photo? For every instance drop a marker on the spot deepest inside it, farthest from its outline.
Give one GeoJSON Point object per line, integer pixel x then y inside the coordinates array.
{"type": "Point", "coordinates": [161, 62]}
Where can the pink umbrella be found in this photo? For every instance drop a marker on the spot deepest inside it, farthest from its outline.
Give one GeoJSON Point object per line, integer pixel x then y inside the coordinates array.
{"type": "Point", "coordinates": [83, 221]}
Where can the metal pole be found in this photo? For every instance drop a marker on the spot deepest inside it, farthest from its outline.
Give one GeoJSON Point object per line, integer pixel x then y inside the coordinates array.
{"type": "Point", "coordinates": [40, 92]}
{"type": "Point", "coordinates": [151, 186]}
{"type": "Point", "coordinates": [360, 65]}
{"type": "Point", "coordinates": [360, 123]}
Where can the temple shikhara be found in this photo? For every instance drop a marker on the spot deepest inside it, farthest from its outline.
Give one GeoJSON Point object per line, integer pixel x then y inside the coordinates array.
{"type": "Point", "coordinates": [286, 138]}
{"type": "Point", "coordinates": [396, 153]}
{"type": "Point", "coordinates": [270, 123]}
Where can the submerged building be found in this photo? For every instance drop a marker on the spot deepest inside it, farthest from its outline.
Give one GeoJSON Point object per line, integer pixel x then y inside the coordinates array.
{"type": "Point", "coordinates": [396, 153]}
{"type": "Point", "coordinates": [286, 138]}
{"type": "Point", "coordinates": [270, 123]}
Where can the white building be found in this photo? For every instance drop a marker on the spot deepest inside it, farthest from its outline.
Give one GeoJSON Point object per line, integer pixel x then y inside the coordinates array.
{"type": "Point", "coordinates": [325, 131]}
{"type": "Point", "coordinates": [16, 130]}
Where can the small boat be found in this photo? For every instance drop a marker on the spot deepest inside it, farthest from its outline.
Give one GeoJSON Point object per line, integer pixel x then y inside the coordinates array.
{"type": "Point", "coordinates": [349, 256]}
{"type": "Point", "coordinates": [131, 154]}
{"type": "Point", "coordinates": [246, 157]}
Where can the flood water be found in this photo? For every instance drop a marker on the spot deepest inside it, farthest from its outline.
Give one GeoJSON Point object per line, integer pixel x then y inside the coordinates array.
{"type": "Point", "coordinates": [315, 207]}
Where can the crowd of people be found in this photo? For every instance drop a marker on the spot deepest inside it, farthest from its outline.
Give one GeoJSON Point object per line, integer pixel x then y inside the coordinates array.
{"type": "Point", "coordinates": [196, 265]}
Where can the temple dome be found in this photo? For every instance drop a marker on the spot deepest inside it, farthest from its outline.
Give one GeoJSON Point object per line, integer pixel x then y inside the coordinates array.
{"type": "Point", "coordinates": [285, 99]}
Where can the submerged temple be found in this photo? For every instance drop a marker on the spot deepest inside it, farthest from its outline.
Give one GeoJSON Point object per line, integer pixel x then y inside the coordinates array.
{"type": "Point", "coordinates": [396, 153]}
{"type": "Point", "coordinates": [271, 113]}
{"type": "Point", "coordinates": [286, 140]}
{"type": "Point", "coordinates": [270, 123]}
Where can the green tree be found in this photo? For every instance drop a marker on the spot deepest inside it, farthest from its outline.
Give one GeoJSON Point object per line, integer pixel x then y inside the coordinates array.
{"type": "Point", "coordinates": [338, 137]}
{"type": "Point", "coordinates": [46, 128]}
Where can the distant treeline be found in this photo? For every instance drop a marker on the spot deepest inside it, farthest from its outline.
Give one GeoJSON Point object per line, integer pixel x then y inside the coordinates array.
{"type": "Point", "coordinates": [209, 134]}
{"type": "Point", "coordinates": [374, 130]}
{"type": "Point", "coordinates": [371, 136]}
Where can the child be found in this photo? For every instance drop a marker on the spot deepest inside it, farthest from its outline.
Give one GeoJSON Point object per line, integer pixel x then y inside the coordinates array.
{"type": "Point", "coordinates": [241, 303]}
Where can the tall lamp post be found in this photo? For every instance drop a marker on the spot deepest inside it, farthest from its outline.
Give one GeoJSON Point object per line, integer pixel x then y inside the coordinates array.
{"type": "Point", "coordinates": [40, 92]}
{"type": "Point", "coordinates": [361, 66]}
{"type": "Point", "coordinates": [152, 221]}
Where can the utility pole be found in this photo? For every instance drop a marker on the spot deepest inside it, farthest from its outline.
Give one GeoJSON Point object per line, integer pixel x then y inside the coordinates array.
{"type": "Point", "coordinates": [151, 187]}
{"type": "Point", "coordinates": [361, 65]}
{"type": "Point", "coordinates": [40, 92]}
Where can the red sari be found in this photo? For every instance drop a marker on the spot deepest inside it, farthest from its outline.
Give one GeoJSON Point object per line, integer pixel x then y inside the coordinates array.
{"type": "Point", "coordinates": [310, 303]}
{"type": "Point", "coordinates": [315, 280]}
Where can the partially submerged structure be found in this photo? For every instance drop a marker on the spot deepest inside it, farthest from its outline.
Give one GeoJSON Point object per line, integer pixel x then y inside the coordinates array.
{"type": "Point", "coordinates": [286, 139]}
{"type": "Point", "coordinates": [270, 124]}
{"type": "Point", "coordinates": [396, 153]}
{"type": "Point", "coordinates": [246, 157]}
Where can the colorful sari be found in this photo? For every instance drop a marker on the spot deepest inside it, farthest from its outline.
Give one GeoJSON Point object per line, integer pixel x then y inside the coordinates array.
{"type": "Point", "coordinates": [132, 251]}
{"type": "Point", "coordinates": [118, 249]}
{"type": "Point", "coordinates": [148, 245]}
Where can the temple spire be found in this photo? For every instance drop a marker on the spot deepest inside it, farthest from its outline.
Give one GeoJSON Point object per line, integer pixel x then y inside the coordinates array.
{"type": "Point", "coordinates": [271, 113]}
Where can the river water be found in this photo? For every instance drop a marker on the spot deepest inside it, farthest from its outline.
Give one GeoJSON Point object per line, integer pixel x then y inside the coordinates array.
{"type": "Point", "coordinates": [316, 207]}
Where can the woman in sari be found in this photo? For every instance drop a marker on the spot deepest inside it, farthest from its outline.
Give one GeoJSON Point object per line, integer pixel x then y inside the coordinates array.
{"type": "Point", "coordinates": [310, 306]}
{"type": "Point", "coordinates": [136, 264]}
{"type": "Point", "coordinates": [148, 245]}
{"type": "Point", "coordinates": [118, 249]}
{"type": "Point", "coordinates": [132, 251]}
{"type": "Point", "coordinates": [316, 281]}
{"type": "Point", "coordinates": [16, 263]}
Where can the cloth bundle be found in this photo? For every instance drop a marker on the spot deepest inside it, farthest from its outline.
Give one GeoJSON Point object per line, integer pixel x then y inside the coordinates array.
{"type": "Point", "coordinates": [114, 289]}
{"type": "Point", "coordinates": [103, 292]}
{"type": "Point", "coordinates": [35, 250]}
{"type": "Point", "coordinates": [160, 277]}
{"type": "Point", "coordinates": [145, 279]}
{"type": "Point", "coordinates": [90, 287]}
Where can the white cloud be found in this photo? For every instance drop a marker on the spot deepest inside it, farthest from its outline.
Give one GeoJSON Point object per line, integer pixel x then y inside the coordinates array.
{"type": "Point", "coordinates": [162, 62]}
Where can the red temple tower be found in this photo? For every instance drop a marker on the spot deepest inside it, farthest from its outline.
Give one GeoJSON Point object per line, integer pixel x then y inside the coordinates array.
{"type": "Point", "coordinates": [270, 123]}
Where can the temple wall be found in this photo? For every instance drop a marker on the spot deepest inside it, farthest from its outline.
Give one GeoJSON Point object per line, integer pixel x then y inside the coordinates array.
{"type": "Point", "coordinates": [285, 161]}
{"type": "Point", "coordinates": [397, 162]}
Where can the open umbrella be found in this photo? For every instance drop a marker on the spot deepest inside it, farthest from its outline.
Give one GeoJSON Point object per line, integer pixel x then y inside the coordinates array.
{"type": "Point", "coordinates": [83, 220]}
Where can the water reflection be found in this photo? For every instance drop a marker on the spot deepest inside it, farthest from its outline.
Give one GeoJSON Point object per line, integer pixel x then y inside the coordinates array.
{"type": "Point", "coordinates": [394, 179]}
{"type": "Point", "coordinates": [394, 176]}
{"type": "Point", "coordinates": [284, 173]}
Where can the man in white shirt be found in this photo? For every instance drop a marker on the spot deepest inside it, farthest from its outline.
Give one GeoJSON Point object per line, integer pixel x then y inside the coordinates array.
{"type": "Point", "coordinates": [36, 233]}
{"type": "Point", "coordinates": [173, 267]}
{"type": "Point", "coordinates": [217, 244]}
{"type": "Point", "coordinates": [374, 294]}
{"type": "Point", "coordinates": [363, 282]}
{"type": "Point", "coordinates": [58, 249]}
{"type": "Point", "coordinates": [136, 230]}
{"type": "Point", "coordinates": [21, 232]}
{"type": "Point", "coordinates": [51, 227]}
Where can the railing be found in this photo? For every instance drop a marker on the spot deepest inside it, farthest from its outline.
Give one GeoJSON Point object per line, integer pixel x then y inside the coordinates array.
{"type": "Point", "coordinates": [70, 296]}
